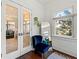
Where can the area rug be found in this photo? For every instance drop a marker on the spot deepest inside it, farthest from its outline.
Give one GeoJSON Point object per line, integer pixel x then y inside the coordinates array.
{"type": "Point", "coordinates": [56, 56]}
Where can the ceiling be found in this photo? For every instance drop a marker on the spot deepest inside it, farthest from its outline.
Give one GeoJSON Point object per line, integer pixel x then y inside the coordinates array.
{"type": "Point", "coordinates": [43, 1]}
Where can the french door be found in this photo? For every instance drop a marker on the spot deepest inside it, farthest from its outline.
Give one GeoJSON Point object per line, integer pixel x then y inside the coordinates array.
{"type": "Point", "coordinates": [15, 30]}
{"type": "Point", "coordinates": [25, 30]}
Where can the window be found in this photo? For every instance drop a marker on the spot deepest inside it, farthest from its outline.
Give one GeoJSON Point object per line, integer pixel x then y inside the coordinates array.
{"type": "Point", "coordinates": [63, 26]}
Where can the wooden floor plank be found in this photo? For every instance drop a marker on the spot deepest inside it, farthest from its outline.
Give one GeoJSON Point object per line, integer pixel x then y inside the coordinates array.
{"type": "Point", "coordinates": [35, 55]}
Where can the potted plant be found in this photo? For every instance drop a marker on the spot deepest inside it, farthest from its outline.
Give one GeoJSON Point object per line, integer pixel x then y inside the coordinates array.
{"type": "Point", "coordinates": [38, 24]}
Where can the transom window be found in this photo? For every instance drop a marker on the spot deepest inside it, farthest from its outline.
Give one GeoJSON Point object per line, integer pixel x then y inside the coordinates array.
{"type": "Point", "coordinates": [64, 12]}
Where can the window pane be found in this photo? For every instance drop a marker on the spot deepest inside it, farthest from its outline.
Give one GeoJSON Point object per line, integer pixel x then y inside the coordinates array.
{"type": "Point", "coordinates": [26, 28]}
{"type": "Point", "coordinates": [11, 28]}
{"type": "Point", "coordinates": [64, 27]}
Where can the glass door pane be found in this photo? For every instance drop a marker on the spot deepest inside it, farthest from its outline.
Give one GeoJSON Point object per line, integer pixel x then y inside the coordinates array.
{"type": "Point", "coordinates": [11, 28]}
{"type": "Point", "coordinates": [26, 28]}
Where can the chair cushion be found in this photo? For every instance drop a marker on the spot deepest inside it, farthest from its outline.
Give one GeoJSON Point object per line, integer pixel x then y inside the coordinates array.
{"type": "Point", "coordinates": [42, 47]}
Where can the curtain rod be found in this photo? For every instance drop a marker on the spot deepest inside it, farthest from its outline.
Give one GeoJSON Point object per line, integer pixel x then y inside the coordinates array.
{"type": "Point", "coordinates": [64, 16]}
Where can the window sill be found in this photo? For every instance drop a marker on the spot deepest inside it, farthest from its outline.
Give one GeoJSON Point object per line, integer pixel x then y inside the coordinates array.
{"type": "Point", "coordinates": [65, 37]}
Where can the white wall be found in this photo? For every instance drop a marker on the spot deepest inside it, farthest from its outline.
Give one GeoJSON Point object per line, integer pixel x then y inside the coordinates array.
{"type": "Point", "coordinates": [66, 45]}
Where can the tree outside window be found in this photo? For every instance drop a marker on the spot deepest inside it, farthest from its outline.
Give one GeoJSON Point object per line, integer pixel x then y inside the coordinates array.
{"type": "Point", "coordinates": [64, 27]}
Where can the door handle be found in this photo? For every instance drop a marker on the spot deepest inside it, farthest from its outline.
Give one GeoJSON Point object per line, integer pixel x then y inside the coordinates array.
{"type": "Point", "coordinates": [20, 34]}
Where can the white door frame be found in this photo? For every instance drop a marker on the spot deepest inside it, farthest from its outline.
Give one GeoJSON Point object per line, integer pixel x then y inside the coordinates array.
{"type": "Point", "coordinates": [20, 50]}
{"type": "Point", "coordinates": [16, 53]}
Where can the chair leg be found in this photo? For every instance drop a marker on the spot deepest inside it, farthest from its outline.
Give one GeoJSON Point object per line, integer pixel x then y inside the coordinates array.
{"type": "Point", "coordinates": [42, 55]}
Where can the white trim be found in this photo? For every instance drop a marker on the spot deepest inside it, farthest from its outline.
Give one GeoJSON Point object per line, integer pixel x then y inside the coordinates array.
{"type": "Point", "coordinates": [65, 37]}
{"type": "Point", "coordinates": [59, 18]}
{"type": "Point", "coordinates": [26, 50]}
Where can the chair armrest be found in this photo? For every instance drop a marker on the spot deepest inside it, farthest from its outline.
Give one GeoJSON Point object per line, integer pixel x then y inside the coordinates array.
{"type": "Point", "coordinates": [42, 47]}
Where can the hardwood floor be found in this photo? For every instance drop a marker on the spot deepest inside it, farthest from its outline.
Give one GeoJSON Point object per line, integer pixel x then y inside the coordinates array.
{"type": "Point", "coordinates": [30, 55]}
{"type": "Point", "coordinates": [35, 55]}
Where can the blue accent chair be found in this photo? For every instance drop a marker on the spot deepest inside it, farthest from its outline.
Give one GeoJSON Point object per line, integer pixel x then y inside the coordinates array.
{"type": "Point", "coordinates": [38, 45]}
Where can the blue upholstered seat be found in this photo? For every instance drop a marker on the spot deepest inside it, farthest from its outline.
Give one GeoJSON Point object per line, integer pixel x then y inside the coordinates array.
{"type": "Point", "coordinates": [38, 45]}
{"type": "Point", "coordinates": [42, 47]}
